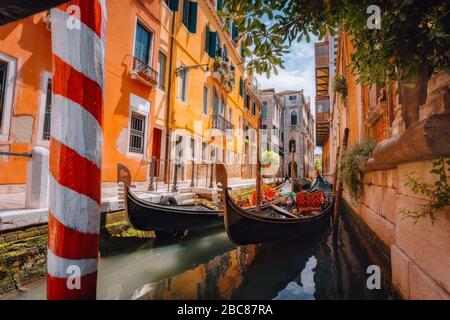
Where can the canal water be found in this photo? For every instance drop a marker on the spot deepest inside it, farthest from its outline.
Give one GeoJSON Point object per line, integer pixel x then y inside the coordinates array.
{"type": "Point", "coordinates": [209, 266]}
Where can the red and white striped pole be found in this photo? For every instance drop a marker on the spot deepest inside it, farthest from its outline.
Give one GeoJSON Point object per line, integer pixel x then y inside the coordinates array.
{"type": "Point", "coordinates": [78, 45]}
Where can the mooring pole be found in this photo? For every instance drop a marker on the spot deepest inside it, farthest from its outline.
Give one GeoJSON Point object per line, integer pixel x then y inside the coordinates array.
{"type": "Point", "coordinates": [336, 170]}
{"type": "Point", "coordinates": [258, 169]}
{"type": "Point", "coordinates": [292, 169]}
{"type": "Point", "coordinates": [339, 187]}
{"type": "Point", "coordinates": [76, 150]}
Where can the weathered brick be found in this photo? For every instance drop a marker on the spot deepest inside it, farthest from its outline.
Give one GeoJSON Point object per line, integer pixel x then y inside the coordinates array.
{"type": "Point", "coordinates": [389, 204]}
{"type": "Point", "coordinates": [400, 271]}
{"type": "Point", "coordinates": [11, 237]}
{"type": "Point", "coordinates": [422, 287]}
{"type": "Point", "coordinates": [427, 244]}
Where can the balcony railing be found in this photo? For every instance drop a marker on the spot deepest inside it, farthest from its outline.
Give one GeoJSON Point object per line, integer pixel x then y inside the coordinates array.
{"type": "Point", "coordinates": [219, 122]}
{"type": "Point", "coordinates": [144, 73]}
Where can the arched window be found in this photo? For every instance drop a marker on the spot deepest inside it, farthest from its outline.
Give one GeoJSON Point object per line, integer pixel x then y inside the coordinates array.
{"type": "Point", "coordinates": [292, 146]}
{"type": "Point", "coordinates": [294, 118]}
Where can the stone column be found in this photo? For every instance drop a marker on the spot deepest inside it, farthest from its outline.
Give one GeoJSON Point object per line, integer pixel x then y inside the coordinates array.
{"type": "Point", "coordinates": [36, 196]}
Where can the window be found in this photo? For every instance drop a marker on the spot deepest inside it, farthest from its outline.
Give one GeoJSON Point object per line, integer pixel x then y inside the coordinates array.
{"type": "Point", "coordinates": [142, 44]}
{"type": "Point", "coordinates": [254, 108]}
{"type": "Point", "coordinates": [219, 5]}
{"type": "Point", "coordinates": [3, 83]}
{"type": "Point", "coordinates": [241, 87]}
{"type": "Point", "coordinates": [193, 148]}
{"type": "Point", "coordinates": [189, 17]}
{"type": "Point", "coordinates": [247, 102]}
{"type": "Point", "coordinates": [292, 146]}
{"type": "Point", "coordinates": [182, 85]}
{"type": "Point", "coordinates": [205, 100]}
{"type": "Point", "coordinates": [293, 118]}
{"type": "Point", "coordinates": [264, 110]}
{"type": "Point", "coordinates": [292, 98]}
{"type": "Point", "coordinates": [215, 102]}
{"type": "Point", "coordinates": [162, 63]}
{"type": "Point", "coordinates": [239, 122]}
{"type": "Point", "coordinates": [230, 114]}
{"type": "Point", "coordinates": [323, 106]}
{"type": "Point", "coordinates": [7, 81]}
{"type": "Point", "coordinates": [137, 132]}
{"type": "Point", "coordinates": [47, 112]}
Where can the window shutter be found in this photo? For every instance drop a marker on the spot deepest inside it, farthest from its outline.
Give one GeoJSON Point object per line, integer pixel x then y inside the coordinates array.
{"type": "Point", "coordinates": [185, 17]}
{"type": "Point", "coordinates": [242, 51]}
{"type": "Point", "coordinates": [192, 21]}
{"type": "Point", "coordinates": [241, 87]}
{"type": "Point", "coordinates": [173, 5]}
{"type": "Point", "coordinates": [207, 39]}
{"type": "Point", "coordinates": [234, 32]}
{"type": "Point", "coordinates": [219, 4]}
{"type": "Point", "coordinates": [212, 44]}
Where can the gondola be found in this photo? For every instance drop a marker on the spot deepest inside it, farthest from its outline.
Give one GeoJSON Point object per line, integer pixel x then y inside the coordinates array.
{"type": "Point", "coordinates": [271, 225]}
{"type": "Point", "coordinates": [147, 216]}
{"type": "Point", "coordinates": [301, 182]}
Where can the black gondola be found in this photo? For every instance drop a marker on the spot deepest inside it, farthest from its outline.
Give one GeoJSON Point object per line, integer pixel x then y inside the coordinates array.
{"type": "Point", "coordinates": [147, 216]}
{"type": "Point", "coordinates": [301, 182]}
{"type": "Point", "coordinates": [273, 225]}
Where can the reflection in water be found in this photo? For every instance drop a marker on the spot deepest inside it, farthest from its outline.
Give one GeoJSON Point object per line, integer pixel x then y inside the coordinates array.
{"type": "Point", "coordinates": [208, 266]}
{"type": "Point", "coordinates": [304, 269]}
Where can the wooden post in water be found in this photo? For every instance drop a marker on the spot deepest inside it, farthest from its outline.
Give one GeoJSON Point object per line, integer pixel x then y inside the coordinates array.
{"type": "Point", "coordinates": [336, 170]}
{"type": "Point", "coordinates": [258, 170]}
{"type": "Point", "coordinates": [292, 170]}
{"type": "Point", "coordinates": [76, 151]}
{"type": "Point", "coordinates": [339, 187]}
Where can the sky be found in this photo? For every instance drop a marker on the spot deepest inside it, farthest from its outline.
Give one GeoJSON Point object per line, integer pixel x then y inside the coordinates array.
{"type": "Point", "coordinates": [298, 74]}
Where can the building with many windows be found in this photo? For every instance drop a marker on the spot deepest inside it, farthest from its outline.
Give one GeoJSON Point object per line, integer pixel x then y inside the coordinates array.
{"type": "Point", "coordinates": [132, 56]}
{"type": "Point", "coordinates": [171, 70]}
{"type": "Point", "coordinates": [297, 131]}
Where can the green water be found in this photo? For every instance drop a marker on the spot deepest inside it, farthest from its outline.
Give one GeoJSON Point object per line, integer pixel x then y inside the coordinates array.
{"type": "Point", "coordinates": [209, 266]}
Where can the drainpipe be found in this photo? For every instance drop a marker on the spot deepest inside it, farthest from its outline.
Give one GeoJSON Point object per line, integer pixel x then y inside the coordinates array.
{"type": "Point", "coordinates": [169, 101]}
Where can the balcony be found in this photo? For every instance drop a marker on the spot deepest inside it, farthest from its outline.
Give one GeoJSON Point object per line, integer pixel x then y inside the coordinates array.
{"type": "Point", "coordinates": [144, 73]}
{"type": "Point", "coordinates": [219, 122]}
{"type": "Point", "coordinates": [322, 127]}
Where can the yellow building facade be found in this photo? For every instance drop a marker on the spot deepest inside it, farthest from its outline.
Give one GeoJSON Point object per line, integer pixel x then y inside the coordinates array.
{"type": "Point", "coordinates": [202, 105]}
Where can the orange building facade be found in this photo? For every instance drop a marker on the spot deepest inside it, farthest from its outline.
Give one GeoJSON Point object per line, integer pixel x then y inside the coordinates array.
{"type": "Point", "coordinates": [131, 80]}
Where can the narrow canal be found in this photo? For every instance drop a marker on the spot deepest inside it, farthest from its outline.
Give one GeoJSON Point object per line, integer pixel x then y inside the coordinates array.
{"type": "Point", "coordinates": [209, 266]}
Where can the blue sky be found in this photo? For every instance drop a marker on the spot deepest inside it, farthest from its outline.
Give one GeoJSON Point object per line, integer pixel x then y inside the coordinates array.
{"type": "Point", "coordinates": [299, 72]}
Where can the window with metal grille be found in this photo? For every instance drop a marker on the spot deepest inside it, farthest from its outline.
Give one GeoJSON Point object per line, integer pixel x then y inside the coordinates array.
{"type": "Point", "coordinates": [48, 111]}
{"type": "Point", "coordinates": [3, 74]}
{"type": "Point", "coordinates": [137, 131]}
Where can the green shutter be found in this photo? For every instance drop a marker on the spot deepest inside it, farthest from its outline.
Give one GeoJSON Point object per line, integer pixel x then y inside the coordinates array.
{"type": "Point", "coordinates": [212, 44]}
{"type": "Point", "coordinates": [241, 87]}
{"type": "Point", "coordinates": [185, 17]}
{"type": "Point", "coordinates": [219, 4]}
{"type": "Point", "coordinates": [173, 5]}
{"type": "Point", "coordinates": [242, 51]}
{"type": "Point", "coordinates": [192, 21]}
{"type": "Point", "coordinates": [207, 39]}
{"type": "Point", "coordinates": [235, 32]}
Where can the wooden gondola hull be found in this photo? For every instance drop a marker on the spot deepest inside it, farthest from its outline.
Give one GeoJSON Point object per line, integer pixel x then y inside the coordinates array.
{"type": "Point", "coordinates": [146, 216]}
{"type": "Point", "coordinates": [242, 230]}
{"type": "Point", "coordinates": [272, 225]}
{"type": "Point", "coordinates": [151, 217]}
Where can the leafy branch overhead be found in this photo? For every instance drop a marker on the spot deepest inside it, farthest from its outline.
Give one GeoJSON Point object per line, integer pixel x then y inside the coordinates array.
{"type": "Point", "coordinates": [412, 32]}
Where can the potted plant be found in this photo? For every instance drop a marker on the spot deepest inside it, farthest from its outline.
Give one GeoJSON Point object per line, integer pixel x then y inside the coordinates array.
{"type": "Point", "coordinates": [270, 162]}
{"type": "Point", "coordinates": [224, 72]}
